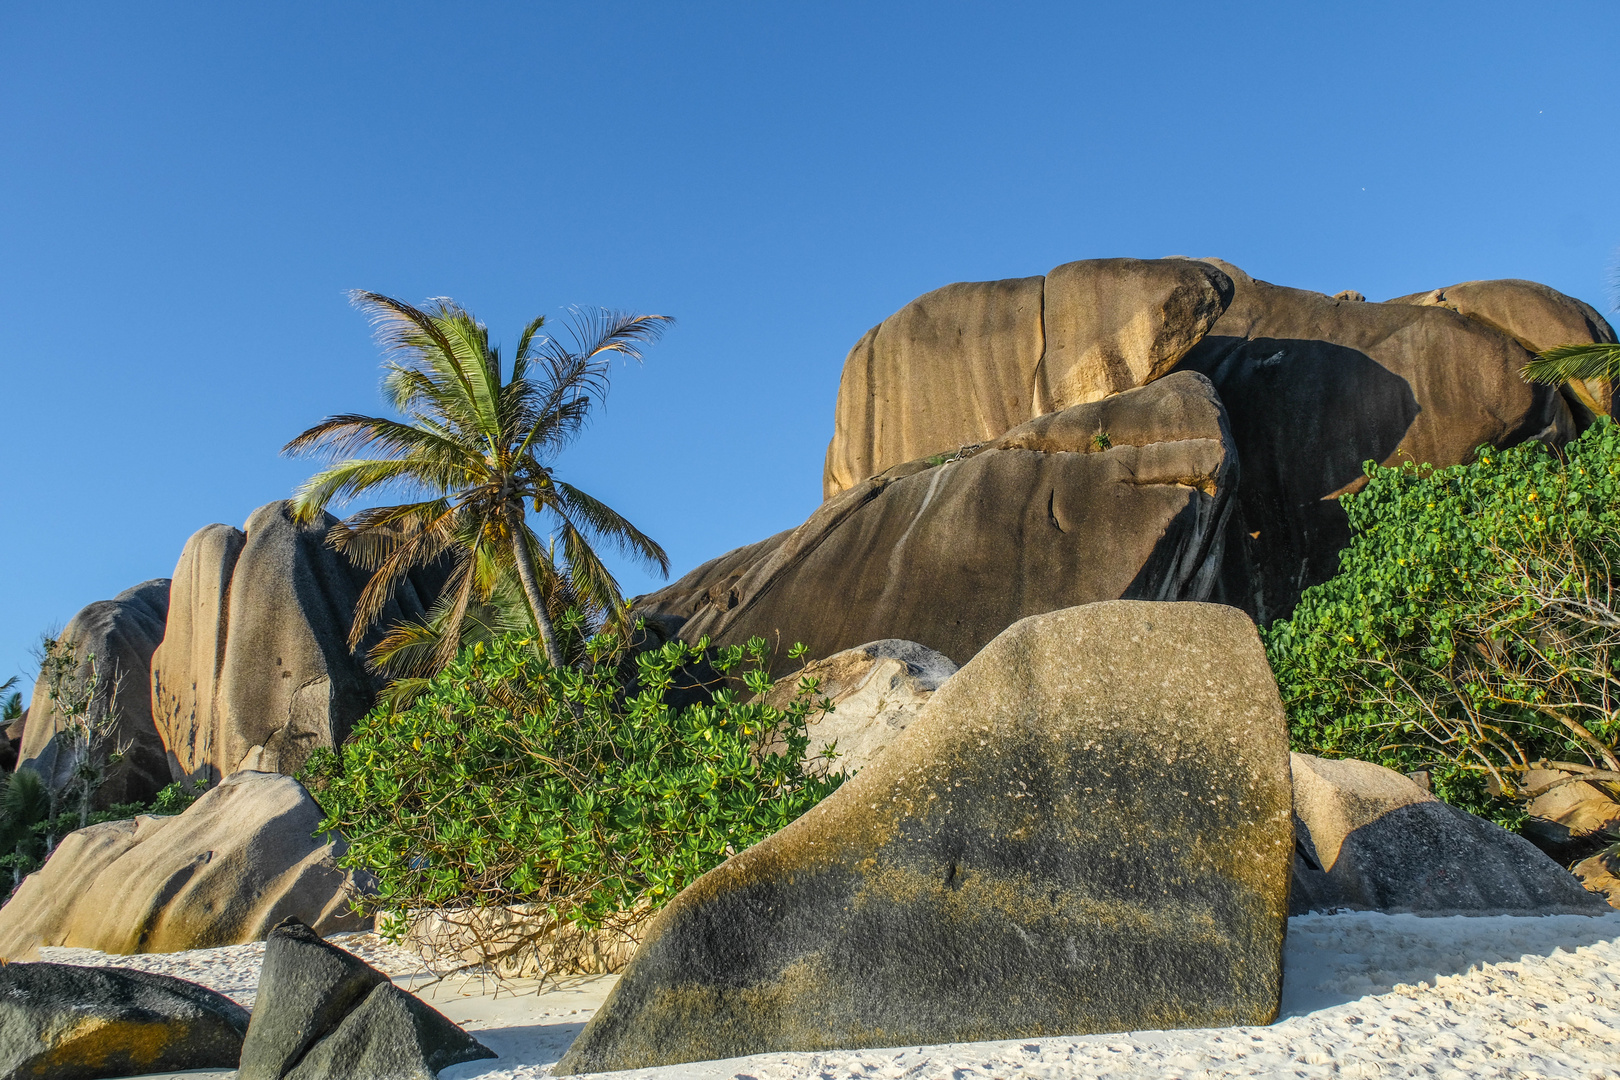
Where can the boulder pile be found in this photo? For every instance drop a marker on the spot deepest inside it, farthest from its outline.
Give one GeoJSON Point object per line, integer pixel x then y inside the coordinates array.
{"type": "Point", "coordinates": [937, 529]}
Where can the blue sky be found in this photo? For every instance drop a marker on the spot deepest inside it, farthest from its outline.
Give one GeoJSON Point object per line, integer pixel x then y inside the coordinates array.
{"type": "Point", "coordinates": [187, 190]}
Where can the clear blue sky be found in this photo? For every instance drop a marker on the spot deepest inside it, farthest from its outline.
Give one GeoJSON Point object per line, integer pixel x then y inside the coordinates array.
{"type": "Point", "coordinates": [187, 190]}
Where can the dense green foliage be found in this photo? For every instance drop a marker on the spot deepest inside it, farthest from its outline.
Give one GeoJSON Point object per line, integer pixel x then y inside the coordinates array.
{"type": "Point", "coordinates": [576, 788]}
{"type": "Point", "coordinates": [29, 830]}
{"type": "Point", "coordinates": [1474, 626]}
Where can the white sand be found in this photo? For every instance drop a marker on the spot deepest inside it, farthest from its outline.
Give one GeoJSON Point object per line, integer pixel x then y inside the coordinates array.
{"type": "Point", "coordinates": [1363, 995]}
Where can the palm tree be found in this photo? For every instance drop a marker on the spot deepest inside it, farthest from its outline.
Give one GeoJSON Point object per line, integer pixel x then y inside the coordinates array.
{"type": "Point", "coordinates": [477, 444]}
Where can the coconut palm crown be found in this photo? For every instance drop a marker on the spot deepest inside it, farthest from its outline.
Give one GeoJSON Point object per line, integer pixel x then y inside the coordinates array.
{"type": "Point", "coordinates": [477, 445]}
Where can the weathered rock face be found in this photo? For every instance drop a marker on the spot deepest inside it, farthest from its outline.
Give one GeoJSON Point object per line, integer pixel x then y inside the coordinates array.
{"type": "Point", "coordinates": [1087, 829]}
{"type": "Point", "coordinates": [1535, 316]}
{"type": "Point", "coordinates": [325, 1014]}
{"type": "Point", "coordinates": [949, 555]}
{"type": "Point", "coordinates": [239, 860]}
{"type": "Point", "coordinates": [1370, 839]}
{"type": "Point", "coordinates": [256, 670]}
{"type": "Point", "coordinates": [966, 363]}
{"type": "Point", "coordinates": [120, 635]}
{"type": "Point", "coordinates": [1315, 386]}
{"type": "Point", "coordinates": [62, 1022]}
{"type": "Point", "coordinates": [876, 689]}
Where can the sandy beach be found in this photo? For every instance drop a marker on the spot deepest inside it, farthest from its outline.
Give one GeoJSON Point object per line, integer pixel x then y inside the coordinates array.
{"type": "Point", "coordinates": [1364, 995]}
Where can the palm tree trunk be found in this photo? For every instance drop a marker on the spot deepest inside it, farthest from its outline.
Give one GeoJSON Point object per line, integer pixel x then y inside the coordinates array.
{"type": "Point", "coordinates": [531, 587]}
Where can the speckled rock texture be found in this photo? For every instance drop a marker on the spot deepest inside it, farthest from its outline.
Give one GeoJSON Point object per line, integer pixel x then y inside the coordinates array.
{"type": "Point", "coordinates": [1369, 839]}
{"type": "Point", "coordinates": [118, 636]}
{"type": "Point", "coordinates": [325, 1014]}
{"type": "Point", "coordinates": [1087, 829]}
{"type": "Point", "coordinates": [949, 554]}
{"type": "Point", "coordinates": [238, 861]}
{"type": "Point", "coordinates": [62, 1022]}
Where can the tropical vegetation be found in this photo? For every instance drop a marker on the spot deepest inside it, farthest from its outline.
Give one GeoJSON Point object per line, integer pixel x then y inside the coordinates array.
{"type": "Point", "coordinates": [1473, 629]}
{"type": "Point", "coordinates": [580, 794]}
{"type": "Point", "coordinates": [478, 444]}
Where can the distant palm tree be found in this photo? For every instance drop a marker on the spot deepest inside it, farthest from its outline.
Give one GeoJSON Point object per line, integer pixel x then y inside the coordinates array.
{"type": "Point", "coordinates": [478, 443]}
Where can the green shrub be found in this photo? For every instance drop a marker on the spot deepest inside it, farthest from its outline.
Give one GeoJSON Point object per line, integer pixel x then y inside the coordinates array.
{"type": "Point", "coordinates": [510, 782]}
{"type": "Point", "coordinates": [1473, 628]}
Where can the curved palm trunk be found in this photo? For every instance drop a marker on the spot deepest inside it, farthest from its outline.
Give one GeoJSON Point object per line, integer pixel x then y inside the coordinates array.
{"type": "Point", "coordinates": [531, 586]}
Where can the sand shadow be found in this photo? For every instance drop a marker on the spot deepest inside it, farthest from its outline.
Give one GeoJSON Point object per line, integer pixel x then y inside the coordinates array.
{"type": "Point", "coordinates": [1334, 959]}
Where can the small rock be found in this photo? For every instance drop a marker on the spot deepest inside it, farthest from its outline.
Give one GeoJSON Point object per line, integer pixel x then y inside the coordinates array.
{"type": "Point", "coordinates": [62, 1022]}
{"type": "Point", "coordinates": [876, 690]}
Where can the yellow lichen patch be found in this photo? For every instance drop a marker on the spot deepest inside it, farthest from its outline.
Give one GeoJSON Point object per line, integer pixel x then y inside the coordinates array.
{"type": "Point", "coordinates": [97, 1041]}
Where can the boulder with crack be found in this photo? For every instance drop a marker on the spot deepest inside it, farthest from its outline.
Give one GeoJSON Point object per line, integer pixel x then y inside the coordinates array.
{"type": "Point", "coordinates": [325, 1014]}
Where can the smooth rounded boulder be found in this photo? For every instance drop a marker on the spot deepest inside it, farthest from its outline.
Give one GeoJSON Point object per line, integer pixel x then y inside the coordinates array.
{"type": "Point", "coordinates": [63, 1022]}
{"type": "Point", "coordinates": [1086, 829]}
{"type": "Point", "coordinates": [115, 639]}
{"type": "Point", "coordinates": [1124, 497]}
{"type": "Point", "coordinates": [239, 860]}
{"type": "Point", "coordinates": [1370, 839]}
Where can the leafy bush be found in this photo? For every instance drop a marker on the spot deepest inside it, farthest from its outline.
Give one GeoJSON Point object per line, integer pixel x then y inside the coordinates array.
{"type": "Point", "coordinates": [577, 791]}
{"type": "Point", "coordinates": [1473, 628]}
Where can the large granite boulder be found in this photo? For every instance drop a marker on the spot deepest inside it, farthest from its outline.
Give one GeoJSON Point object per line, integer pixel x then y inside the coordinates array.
{"type": "Point", "coordinates": [1086, 829]}
{"type": "Point", "coordinates": [239, 860]}
{"type": "Point", "coordinates": [257, 670]}
{"type": "Point", "coordinates": [61, 1022]}
{"type": "Point", "coordinates": [325, 1014]}
{"type": "Point", "coordinates": [1370, 839]}
{"type": "Point", "coordinates": [1315, 386]}
{"type": "Point", "coordinates": [117, 637]}
{"type": "Point", "coordinates": [876, 690]}
{"type": "Point", "coordinates": [1125, 497]}
{"type": "Point", "coordinates": [968, 362]}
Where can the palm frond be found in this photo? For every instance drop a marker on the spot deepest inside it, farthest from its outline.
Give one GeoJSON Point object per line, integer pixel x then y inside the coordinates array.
{"type": "Point", "coordinates": [1571, 363]}
{"type": "Point", "coordinates": [608, 524]}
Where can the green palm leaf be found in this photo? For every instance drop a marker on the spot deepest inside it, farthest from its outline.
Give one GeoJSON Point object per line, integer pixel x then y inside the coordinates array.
{"type": "Point", "coordinates": [1572, 363]}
